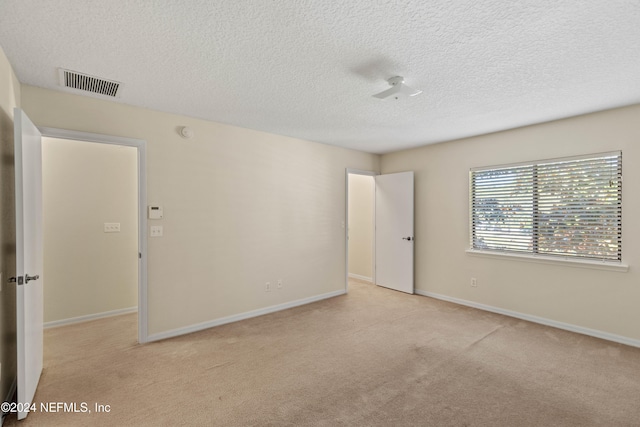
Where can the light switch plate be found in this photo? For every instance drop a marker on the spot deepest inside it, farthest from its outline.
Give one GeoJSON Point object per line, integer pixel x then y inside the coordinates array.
{"type": "Point", "coordinates": [111, 227]}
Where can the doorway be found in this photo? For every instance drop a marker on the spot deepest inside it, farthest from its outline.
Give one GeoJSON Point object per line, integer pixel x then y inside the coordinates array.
{"type": "Point", "coordinates": [386, 203]}
{"type": "Point", "coordinates": [91, 228]}
{"type": "Point", "coordinates": [94, 227]}
{"type": "Point", "coordinates": [360, 225]}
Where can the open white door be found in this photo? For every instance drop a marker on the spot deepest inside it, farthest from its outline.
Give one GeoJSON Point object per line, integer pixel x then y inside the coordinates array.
{"type": "Point", "coordinates": [394, 231]}
{"type": "Point", "coordinates": [29, 293]}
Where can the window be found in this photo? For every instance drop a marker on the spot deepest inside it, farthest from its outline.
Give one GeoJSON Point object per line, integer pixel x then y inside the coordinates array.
{"type": "Point", "coordinates": [568, 207]}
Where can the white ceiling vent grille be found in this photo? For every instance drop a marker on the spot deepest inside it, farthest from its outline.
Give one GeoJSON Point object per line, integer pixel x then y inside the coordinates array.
{"type": "Point", "coordinates": [74, 80]}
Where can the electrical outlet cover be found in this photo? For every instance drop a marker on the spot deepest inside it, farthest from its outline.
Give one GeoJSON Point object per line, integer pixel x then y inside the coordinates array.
{"type": "Point", "coordinates": [157, 231]}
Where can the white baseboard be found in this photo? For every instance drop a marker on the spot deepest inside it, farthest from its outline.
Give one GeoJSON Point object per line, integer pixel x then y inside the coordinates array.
{"type": "Point", "coordinates": [357, 276]}
{"type": "Point", "coordinates": [535, 319]}
{"type": "Point", "coordinates": [88, 317]}
{"type": "Point", "coordinates": [242, 316]}
{"type": "Point", "coordinates": [8, 398]}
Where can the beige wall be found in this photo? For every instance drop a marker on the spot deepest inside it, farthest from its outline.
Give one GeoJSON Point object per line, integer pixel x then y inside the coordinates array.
{"type": "Point", "coordinates": [244, 207]}
{"type": "Point", "coordinates": [9, 98]}
{"type": "Point", "coordinates": [601, 300]}
{"type": "Point", "coordinates": [85, 185]}
{"type": "Point", "coordinates": [241, 208]}
{"type": "Point", "coordinates": [361, 189]}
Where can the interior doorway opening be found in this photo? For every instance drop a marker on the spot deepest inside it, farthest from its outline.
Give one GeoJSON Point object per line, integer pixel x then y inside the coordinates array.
{"type": "Point", "coordinates": [108, 226]}
{"type": "Point", "coordinates": [387, 206]}
{"type": "Point", "coordinates": [90, 225]}
{"type": "Point", "coordinates": [360, 226]}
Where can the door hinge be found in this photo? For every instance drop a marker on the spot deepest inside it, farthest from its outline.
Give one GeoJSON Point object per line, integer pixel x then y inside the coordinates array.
{"type": "Point", "coordinates": [139, 255]}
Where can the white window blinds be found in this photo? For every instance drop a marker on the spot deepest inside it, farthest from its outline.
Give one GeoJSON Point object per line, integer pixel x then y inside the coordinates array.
{"type": "Point", "coordinates": [564, 207]}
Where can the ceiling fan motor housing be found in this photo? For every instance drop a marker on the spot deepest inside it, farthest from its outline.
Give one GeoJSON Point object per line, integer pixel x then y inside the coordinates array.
{"type": "Point", "coordinates": [393, 81]}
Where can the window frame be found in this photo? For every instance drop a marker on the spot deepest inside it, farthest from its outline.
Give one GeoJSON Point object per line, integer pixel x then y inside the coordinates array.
{"type": "Point", "coordinates": [532, 254]}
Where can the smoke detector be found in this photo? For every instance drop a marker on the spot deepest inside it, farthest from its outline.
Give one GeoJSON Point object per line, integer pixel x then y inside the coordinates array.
{"type": "Point", "coordinates": [186, 132]}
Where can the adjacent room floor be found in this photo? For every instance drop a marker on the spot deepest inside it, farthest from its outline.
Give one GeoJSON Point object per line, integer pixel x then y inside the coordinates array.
{"type": "Point", "coordinates": [372, 357]}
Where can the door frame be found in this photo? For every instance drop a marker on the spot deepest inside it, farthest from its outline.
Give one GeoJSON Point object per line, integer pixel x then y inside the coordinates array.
{"type": "Point", "coordinates": [346, 227]}
{"type": "Point", "coordinates": [141, 147]}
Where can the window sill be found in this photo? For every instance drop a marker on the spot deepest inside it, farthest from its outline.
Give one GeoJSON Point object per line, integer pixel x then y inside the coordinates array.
{"type": "Point", "coordinates": [541, 259]}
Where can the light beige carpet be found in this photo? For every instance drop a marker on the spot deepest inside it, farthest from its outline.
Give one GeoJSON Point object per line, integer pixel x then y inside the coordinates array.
{"type": "Point", "coordinates": [374, 357]}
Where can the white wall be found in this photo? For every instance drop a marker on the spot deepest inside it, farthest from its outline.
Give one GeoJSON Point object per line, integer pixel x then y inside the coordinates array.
{"type": "Point", "coordinates": [241, 208]}
{"type": "Point", "coordinates": [361, 190]}
{"type": "Point", "coordinates": [85, 185]}
{"type": "Point", "coordinates": [604, 301]}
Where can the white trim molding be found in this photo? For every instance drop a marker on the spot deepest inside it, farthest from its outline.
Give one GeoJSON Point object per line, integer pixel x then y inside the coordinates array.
{"type": "Point", "coordinates": [535, 319]}
{"type": "Point", "coordinates": [88, 317]}
{"type": "Point", "coordinates": [362, 172]}
{"type": "Point", "coordinates": [242, 316]}
{"type": "Point", "coordinates": [359, 277]}
{"type": "Point", "coordinates": [541, 259]}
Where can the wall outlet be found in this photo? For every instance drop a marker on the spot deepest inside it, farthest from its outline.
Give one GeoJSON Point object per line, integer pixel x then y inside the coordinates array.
{"type": "Point", "coordinates": [474, 282]}
{"type": "Point", "coordinates": [111, 227]}
{"type": "Point", "coordinates": [279, 283]}
{"type": "Point", "coordinates": [267, 287]}
{"type": "Point", "coordinates": [156, 231]}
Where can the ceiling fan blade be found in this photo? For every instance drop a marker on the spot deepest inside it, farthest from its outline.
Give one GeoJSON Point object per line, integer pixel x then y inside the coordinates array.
{"type": "Point", "coordinates": [389, 92]}
{"type": "Point", "coordinates": [409, 91]}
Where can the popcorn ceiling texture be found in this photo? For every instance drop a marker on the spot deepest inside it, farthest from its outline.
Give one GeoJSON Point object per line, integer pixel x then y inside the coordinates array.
{"type": "Point", "coordinates": [308, 69]}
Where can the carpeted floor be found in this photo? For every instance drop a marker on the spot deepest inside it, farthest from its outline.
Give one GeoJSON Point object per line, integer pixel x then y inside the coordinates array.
{"type": "Point", "coordinates": [374, 357]}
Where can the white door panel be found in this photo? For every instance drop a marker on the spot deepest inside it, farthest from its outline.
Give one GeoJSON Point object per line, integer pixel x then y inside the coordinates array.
{"type": "Point", "coordinates": [394, 231]}
{"type": "Point", "coordinates": [29, 277]}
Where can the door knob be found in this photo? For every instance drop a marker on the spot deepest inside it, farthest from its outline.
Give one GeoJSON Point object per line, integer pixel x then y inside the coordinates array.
{"type": "Point", "coordinates": [27, 278]}
{"type": "Point", "coordinates": [407, 238]}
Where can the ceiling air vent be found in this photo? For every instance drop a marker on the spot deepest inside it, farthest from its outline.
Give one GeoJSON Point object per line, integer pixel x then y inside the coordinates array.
{"type": "Point", "coordinates": [85, 82]}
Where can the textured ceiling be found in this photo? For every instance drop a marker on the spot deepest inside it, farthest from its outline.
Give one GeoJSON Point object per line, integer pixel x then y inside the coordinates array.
{"type": "Point", "coordinates": [308, 68]}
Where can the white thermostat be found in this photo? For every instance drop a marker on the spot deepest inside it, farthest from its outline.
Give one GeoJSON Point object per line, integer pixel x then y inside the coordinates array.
{"type": "Point", "coordinates": [155, 212]}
